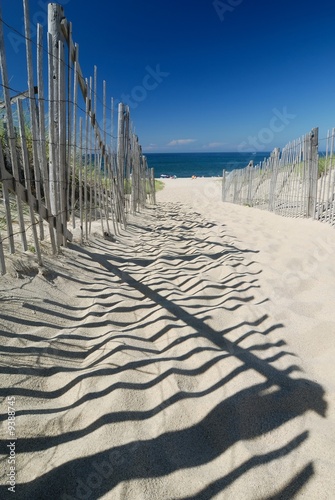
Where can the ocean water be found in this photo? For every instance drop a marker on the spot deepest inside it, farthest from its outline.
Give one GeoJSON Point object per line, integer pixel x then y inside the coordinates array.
{"type": "Point", "coordinates": [200, 164]}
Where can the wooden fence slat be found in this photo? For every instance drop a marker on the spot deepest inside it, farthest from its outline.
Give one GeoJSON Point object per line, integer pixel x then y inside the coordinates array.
{"type": "Point", "coordinates": [74, 141]}
{"type": "Point", "coordinates": [112, 127]}
{"type": "Point", "coordinates": [69, 170]}
{"type": "Point", "coordinates": [96, 162]}
{"type": "Point", "coordinates": [86, 166]}
{"type": "Point", "coordinates": [53, 136]}
{"type": "Point", "coordinates": [80, 167]}
{"type": "Point", "coordinates": [330, 201]}
{"type": "Point", "coordinates": [91, 142]}
{"type": "Point", "coordinates": [4, 176]}
{"type": "Point", "coordinates": [332, 189]}
{"type": "Point", "coordinates": [42, 134]}
{"type": "Point", "coordinates": [11, 131]}
{"type": "Point", "coordinates": [25, 160]}
{"type": "Point", "coordinates": [55, 40]}
{"type": "Point", "coordinates": [32, 108]}
{"type": "Point", "coordinates": [120, 148]}
{"type": "Point", "coordinates": [105, 156]}
{"type": "Point", "coordinates": [111, 192]}
{"type": "Point", "coordinates": [65, 28]}
{"type": "Point", "coordinates": [9, 182]}
{"type": "Point", "coordinates": [321, 211]}
{"type": "Point", "coordinates": [100, 195]}
{"type": "Point", "coordinates": [2, 258]}
{"type": "Point", "coordinates": [313, 172]}
{"type": "Point", "coordinates": [62, 138]}
{"type": "Point", "coordinates": [323, 202]}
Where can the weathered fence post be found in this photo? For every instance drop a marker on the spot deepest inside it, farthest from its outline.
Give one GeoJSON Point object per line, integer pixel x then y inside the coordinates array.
{"type": "Point", "coordinates": [273, 182]}
{"type": "Point", "coordinates": [62, 179]}
{"type": "Point", "coordinates": [33, 114]}
{"type": "Point", "coordinates": [250, 169]}
{"type": "Point", "coordinates": [6, 199]}
{"type": "Point", "coordinates": [235, 195]}
{"type": "Point", "coordinates": [42, 134]}
{"type": "Point", "coordinates": [25, 161]}
{"type": "Point", "coordinates": [55, 16]}
{"type": "Point", "coordinates": [120, 147]}
{"type": "Point", "coordinates": [223, 184]}
{"type": "Point", "coordinates": [313, 160]}
{"type": "Point", "coordinates": [2, 259]}
{"type": "Point", "coordinates": [153, 186]}
{"type": "Point", "coordinates": [120, 163]}
{"type": "Point", "coordinates": [134, 176]}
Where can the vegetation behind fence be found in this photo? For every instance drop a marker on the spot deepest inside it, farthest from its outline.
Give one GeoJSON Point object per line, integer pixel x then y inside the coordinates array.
{"type": "Point", "coordinates": [61, 164]}
{"type": "Point", "coordinates": [294, 182]}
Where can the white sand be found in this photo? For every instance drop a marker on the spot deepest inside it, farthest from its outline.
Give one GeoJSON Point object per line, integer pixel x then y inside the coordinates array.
{"type": "Point", "coordinates": [191, 358]}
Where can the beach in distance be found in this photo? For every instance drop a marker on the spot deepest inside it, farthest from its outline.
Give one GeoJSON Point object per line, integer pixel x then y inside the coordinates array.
{"type": "Point", "coordinates": [183, 165]}
{"type": "Point", "coordinates": [188, 357]}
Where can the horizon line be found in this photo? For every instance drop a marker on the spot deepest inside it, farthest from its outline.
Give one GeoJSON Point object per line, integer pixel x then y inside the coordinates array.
{"type": "Point", "coordinates": [204, 152]}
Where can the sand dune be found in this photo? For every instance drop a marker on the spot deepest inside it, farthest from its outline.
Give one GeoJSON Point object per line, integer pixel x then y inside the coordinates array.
{"type": "Point", "coordinates": [189, 358]}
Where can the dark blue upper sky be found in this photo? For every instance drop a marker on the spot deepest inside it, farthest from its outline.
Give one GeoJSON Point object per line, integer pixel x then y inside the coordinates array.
{"type": "Point", "coordinates": [204, 75]}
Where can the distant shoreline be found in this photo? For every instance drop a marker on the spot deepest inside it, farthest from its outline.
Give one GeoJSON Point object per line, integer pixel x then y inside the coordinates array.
{"type": "Point", "coordinates": [190, 177]}
{"type": "Point", "coordinates": [184, 165]}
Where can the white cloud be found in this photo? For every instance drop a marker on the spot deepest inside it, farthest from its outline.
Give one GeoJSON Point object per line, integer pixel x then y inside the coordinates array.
{"type": "Point", "coordinates": [214, 145]}
{"type": "Point", "coordinates": [150, 147]}
{"type": "Point", "coordinates": [179, 142]}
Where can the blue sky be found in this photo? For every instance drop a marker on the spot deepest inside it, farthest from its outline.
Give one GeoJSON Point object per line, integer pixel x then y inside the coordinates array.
{"type": "Point", "coordinates": [204, 75]}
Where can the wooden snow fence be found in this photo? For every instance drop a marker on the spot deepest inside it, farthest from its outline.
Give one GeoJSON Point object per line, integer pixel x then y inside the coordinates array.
{"type": "Point", "coordinates": [295, 182]}
{"type": "Point", "coordinates": [63, 163]}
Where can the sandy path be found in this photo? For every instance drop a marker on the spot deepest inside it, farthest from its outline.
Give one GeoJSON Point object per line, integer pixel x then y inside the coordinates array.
{"type": "Point", "coordinates": [189, 358]}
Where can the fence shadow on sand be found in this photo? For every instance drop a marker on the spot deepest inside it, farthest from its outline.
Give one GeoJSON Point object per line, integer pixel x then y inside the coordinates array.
{"type": "Point", "coordinates": [168, 370]}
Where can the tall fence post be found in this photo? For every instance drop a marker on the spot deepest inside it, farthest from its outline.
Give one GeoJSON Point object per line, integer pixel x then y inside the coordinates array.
{"type": "Point", "coordinates": [55, 16]}
{"type": "Point", "coordinates": [120, 148]}
{"type": "Point", "coordinates": [62, 167]}
{"type": "Point", "coordinates": [313, 160]}
{"type": "Point", "coordinates": [250, 176]}
{"type": "Point", "coordinates": [153, 186]}
{"type": "Point", "coordinates": [235, 195]}
{"type": "Point", "coordinates": [33, 113]}
{"type": "Point", "coordinates": [223, 185]}
{"type": "Point", "coordinates": [2, 259]}
{"type": "Point", "coordinates": [273, 182]}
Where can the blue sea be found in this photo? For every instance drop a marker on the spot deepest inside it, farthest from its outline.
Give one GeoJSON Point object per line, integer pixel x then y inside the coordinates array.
{"type": "Point", "coordinates": [200, 164]}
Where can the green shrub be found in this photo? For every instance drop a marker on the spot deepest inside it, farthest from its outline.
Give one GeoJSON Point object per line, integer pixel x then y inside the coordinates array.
{"type": "Point", "coordinates": [159, 185]}
{"type": "Point", "coordinates": [325, 163]}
